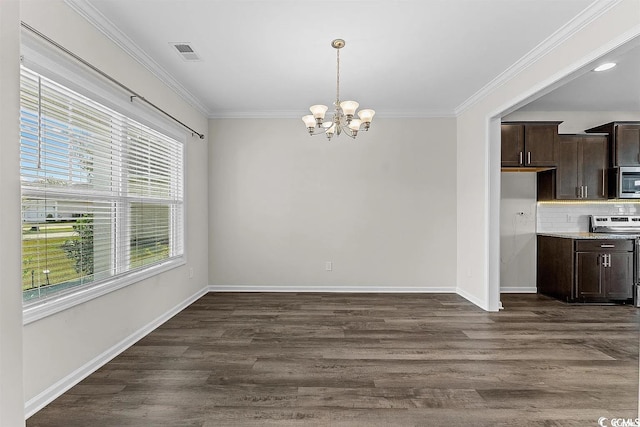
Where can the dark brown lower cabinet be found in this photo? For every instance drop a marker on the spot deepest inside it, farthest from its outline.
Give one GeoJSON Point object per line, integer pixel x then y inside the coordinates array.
{"type": "Point", "coordinates": [577, 270]}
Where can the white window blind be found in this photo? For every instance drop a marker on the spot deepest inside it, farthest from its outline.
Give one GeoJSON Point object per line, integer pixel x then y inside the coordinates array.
{"type": "Point", "coordinates": [102, 195]}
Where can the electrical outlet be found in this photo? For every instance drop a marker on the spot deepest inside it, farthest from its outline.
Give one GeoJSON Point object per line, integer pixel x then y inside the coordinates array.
{"type": "Point", "coordinates": [569, 218]}
{"type": "Point", "coordinates": [328, 266]}
{"type": "Point", "coordinates": [191, 273]}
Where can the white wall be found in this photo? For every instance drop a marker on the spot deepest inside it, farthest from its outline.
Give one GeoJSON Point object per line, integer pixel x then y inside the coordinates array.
{"type": "Point", "coordinates": [381, 208]}
{"type": "Point", "coordinates": [575, 121]}
{"type": "Point", "coordinates": [475, 261]}
{"type": "Point", "coordinates": [11, 390]}
{"type": "Point", "coordinates": [518, 232]}
{"type": "Point", "coordinates": [65, 346]}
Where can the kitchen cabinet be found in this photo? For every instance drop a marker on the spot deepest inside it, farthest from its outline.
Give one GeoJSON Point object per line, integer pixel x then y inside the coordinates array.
{"type": "Point", "coordinates": [624, 142]}
{"type": "Point", "coordinates": [529, 144]}
{"type": "Point", "coordinates": [585, 270]}
{"type": "Point", "coordinates": [582, 167]}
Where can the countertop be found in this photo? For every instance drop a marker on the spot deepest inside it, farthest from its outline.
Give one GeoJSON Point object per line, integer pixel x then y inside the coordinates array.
{"type": "Point", "coordinates": [586, 236]}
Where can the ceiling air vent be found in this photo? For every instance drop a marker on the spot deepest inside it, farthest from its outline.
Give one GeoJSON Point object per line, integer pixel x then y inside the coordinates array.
{"type": "Point", "coordinates": [186, 52]}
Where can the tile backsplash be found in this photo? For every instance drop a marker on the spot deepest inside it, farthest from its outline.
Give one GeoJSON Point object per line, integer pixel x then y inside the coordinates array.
{"type": "Point", "coordinates": [568, 216]}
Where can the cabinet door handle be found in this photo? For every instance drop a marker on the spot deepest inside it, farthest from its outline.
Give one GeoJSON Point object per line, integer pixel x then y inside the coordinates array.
{"type": "Point", "coordinates": [606, 245]}
{"type": "Point", "coordinates": [603, 183]}
{"type": "Point", "coordinates": [528, 157]}
{"type": "Point", "coordinates": [608, 260]}
{"type": "Point", "coordinates": [586, 191]}
{"type": "Point", "coordinates": [520, 155]}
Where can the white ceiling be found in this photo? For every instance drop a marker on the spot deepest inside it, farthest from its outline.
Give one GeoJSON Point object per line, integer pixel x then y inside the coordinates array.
{"type": "Point", "coordinates": [617, 89]}
{"type": "Point", "coordinates": [262, 58]}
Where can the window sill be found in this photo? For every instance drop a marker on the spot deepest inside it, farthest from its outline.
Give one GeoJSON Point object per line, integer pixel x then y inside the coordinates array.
{"type": "Point", "coordinates": [41, 309]}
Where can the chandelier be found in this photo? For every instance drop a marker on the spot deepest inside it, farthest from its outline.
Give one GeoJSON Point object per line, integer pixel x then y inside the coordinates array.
{"type": "Point", "coordinates": [343, 116]}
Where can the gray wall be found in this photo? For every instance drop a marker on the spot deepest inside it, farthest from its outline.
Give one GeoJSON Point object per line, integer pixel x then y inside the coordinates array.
{"type": "Point", "coordinates": [518, 232]}
{"type": "Point", "coordinates": [61, 348]}
{"type": "Point", "coordinates": [381, 208]}
{"type": "Point", "coordinates": [11, 389]}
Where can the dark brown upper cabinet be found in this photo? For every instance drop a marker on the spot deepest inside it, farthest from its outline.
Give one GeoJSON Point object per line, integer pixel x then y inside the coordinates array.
{"type": "Point", "coordinates": [529, 144]}
{"type": "Point", "coordinates": [582, 167]}
{"type": "Point", "coordinates": [624, 142]}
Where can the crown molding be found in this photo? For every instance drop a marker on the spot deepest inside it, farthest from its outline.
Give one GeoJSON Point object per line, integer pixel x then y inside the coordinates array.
{"type": "Point", "coordinates": [584, 18]}
{"type": "Point", "coordinates": [419, 114]}
{"type": "Point", "coordinates": [260, 114]}
{"type": "Point", "coordinates": [113, 33]}
{"type": "Point", "coordinates": [296, 114]}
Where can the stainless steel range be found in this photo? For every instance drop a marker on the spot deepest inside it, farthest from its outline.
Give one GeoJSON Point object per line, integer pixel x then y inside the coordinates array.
{"type": "Point", "coordinates": [627, 225]}
{"type": "Point", "coordinates": [616, 224]}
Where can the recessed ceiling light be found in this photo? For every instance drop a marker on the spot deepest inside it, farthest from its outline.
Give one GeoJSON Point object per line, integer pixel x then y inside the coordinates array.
{"type": "Point", "coordinates": [604, 67]}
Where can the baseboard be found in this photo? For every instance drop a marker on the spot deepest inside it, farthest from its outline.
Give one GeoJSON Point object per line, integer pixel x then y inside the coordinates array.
{"type": "Point", "coordinates": [464, 294]}
{"type": "Point", "coordinates": [332, 289]}
{"type": "Point", "coordinates": [519, 290]}
{"type": "Point", "coordinates": [38, 402]}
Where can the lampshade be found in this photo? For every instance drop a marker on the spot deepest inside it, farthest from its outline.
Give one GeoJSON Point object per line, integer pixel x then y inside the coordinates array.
{"type": "Point", "coordinates": [318, 111]}
{"type": "Point", "coordinates": [349, 107]}
{"type": "Point", "coordinates": [355, 125]}
{"type": "Point", "coordinates": [366, 115]}
{"type": "Point", "coordinates": [309, 121]}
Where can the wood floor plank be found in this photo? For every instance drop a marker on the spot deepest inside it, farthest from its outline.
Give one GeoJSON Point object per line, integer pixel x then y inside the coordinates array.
{"type": "Point", "coordinates": [314, 359]}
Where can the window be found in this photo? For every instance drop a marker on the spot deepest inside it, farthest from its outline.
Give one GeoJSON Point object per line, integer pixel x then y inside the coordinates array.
{"type": "Point", "coordinates": [102, 194]}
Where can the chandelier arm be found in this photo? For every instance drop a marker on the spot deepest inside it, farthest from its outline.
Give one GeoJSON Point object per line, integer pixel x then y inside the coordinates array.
{"type": "Point", "coordinates": [340, 129]}
{"type": "Point", "coordinates": [319, 131]}
{"type": "Point", "coordinates": [348, 132]}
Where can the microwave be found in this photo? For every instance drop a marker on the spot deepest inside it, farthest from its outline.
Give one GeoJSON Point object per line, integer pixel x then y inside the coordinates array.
{"type": "Point", "coordinates": [624, 182]}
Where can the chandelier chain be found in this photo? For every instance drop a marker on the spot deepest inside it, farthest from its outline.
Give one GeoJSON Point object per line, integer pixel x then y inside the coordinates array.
{"type": "Point", "coordinates": [338, 77]}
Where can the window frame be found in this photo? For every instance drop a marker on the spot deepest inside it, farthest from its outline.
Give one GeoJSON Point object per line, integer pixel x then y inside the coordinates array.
{"type": "Point", "coordinates": [69, 73]}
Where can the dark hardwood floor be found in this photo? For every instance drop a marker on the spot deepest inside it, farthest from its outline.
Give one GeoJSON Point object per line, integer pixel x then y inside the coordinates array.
{"type": "Point", "coordinates": [252, 359]}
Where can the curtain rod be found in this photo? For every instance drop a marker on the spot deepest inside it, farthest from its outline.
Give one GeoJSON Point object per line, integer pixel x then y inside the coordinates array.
{"type": "Point", "coordinates": [132, 93]}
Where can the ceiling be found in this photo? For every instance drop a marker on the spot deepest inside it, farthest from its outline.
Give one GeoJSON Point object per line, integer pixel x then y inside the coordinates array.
{"type": "Point", "coordinates": [617, 89]}
{"type": "Point", "coordinates": [403, 58]}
